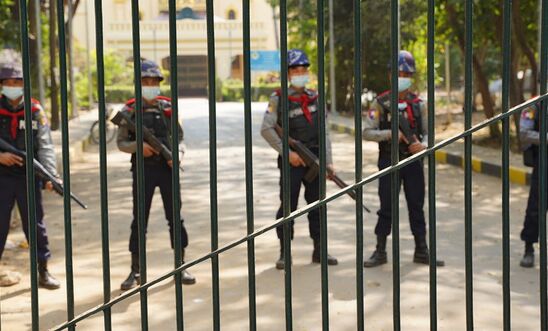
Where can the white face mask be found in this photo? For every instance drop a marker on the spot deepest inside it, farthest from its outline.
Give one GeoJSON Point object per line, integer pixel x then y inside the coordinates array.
{"type": "Point", "coordinates": [404, 83]}
{"type": "Point", "coordinates": [300, 80]}
{"type": "Point", "coordinates": [12, 92]}
{"type": "Point", "coordinates": [151, 92]}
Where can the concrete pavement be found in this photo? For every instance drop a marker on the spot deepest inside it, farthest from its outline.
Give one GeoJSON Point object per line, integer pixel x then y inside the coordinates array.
{"type": "Point", "coordinates": [306, 277]}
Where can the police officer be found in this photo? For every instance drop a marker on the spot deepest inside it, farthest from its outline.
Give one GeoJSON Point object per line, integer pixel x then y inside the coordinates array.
{"type": "Point", "coordinates": [377, 127]}
{"type": "Point", "coordinates": [157, 171]}
{"type": "Point", "coordinates": [530, 139]}
{"type": "Point", "coordinates": [12, 169]}
{"type": "Point", "coordinates": [303, 126]}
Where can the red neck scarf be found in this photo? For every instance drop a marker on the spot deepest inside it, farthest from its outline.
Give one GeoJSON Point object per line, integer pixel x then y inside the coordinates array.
{"type": "Point", "coordinates": [304, 100]}
{"type": "Point", "coordinates": [14, 118]}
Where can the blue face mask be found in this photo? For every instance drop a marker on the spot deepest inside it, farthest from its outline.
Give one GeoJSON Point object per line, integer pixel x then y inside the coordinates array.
{"type": "Point", "coordinates": [12, 92]}
{"type": "Point", "coordinates": [151, 92]}
{"type": "Point", "coordinates": [404, 83]}
{"type": "Point", "coordinates": [300, 80]}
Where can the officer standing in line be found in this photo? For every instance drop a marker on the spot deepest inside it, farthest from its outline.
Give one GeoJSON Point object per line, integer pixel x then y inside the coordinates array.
{"type": "Point", "coordinates": [303, 126]}
{"type": "Point", "coordinates": [530, 139]}
{"type": "Point", "coordinates": [377, 127]}
{"type": "Point", "coordinates": [13, 186]}
{"type": "Point", "coordinates": [157, 171]}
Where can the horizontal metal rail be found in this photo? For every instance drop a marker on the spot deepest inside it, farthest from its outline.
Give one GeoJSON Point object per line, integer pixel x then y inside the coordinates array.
{"type": "Point", "coordinates": [304, 210]}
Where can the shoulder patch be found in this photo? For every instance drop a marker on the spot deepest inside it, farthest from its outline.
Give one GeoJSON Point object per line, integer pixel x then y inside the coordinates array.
{"type": "Point", "coordinates": [42, 117]}
{"type": "Point", "coordinates": [529, 113]}
{"type": "Point", "coordinates": [373, 114]}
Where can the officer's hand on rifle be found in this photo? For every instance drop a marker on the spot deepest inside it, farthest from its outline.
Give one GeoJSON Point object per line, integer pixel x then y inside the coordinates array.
{"type": "Point", "coordinates": [295, 160]}
{"type": "Point", "coordinates": [401, 137]}
{"type": "Point", "coordinates": [49, 185]}
{"type": "Point", "coordinates": [330, 172]}
{"type": "Point", "coordinates": [416, 147]}
{"type": "Point", "coordinates": [148, 151]}
{"type": "Point", "coordinates": [9, 159]}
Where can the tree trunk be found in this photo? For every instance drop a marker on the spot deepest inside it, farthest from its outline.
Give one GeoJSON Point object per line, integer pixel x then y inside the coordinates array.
{"type": "Point", "coordinates": [521, 39]}
{"type": "Point", "coordinates": [481, 79]}
{"type": "Point", "coordinates": [53, 67]}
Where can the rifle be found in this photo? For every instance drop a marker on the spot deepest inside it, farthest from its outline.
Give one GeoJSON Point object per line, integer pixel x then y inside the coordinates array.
{"type": "Point", "coordinates": [313, 164]}
{"type": "Point", "coordinates": [41, 172]}
{"type": "Point", "coordinates": [122, 119]}
{"type": "Point", "coordinates": [405, 128]}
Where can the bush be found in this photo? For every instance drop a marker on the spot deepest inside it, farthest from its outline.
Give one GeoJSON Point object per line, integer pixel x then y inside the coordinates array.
{"type": "Point", "coordinates": [233, 90]}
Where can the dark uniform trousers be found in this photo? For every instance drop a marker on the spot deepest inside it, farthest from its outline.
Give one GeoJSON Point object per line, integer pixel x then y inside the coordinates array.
{"type": "Point", "coordinates": [412, 176]}
{"type": "Point", "coordinates": [311, 194]}
{"type": "Point", "coordinates": [156, 175]}
{"type": "Point", "coordinates": [12, 189]}
{"type": "Point", "coordinates": [530, 230]}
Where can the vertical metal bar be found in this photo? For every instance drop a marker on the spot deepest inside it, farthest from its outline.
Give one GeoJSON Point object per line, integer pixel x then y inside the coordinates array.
{"type": "Point", "coordinates": [70, 50]}
{"type": "Point", "coordinates": [285, 167]}
{"type": "Point", "coordinates": [320, 27]}
{"type": "Point", "coordinates": [332, 75]}
{"type": "Point", "coordinates": [31, 180]}
{"type": "Point", "coordinates": [175, 180]}
{"type": "Point", "coordinates": [103, 160]}
{"type": "Point", "coordinates": [141, 221]}
{"type": "Point", "coordinates": [66, 159]}
{"type": "Point", "coordinates": [542, 169]}
{"type": "Point", "coordinates": [249, 165]}
{"type": "Point", "coordinates": [213, 163]}
{"type": "Point", "coordinates": [40, 74]}
{"type": "Point", "coordinates": [395, 178]}
{"type": "Point", "coordinates": [506, 41]}
{"type": "Point", "coordinates": [358, 167]}
{"type": "Point", "coordinates": [468, 164]}
{"type": "Point", "coordinates": [432, 166]}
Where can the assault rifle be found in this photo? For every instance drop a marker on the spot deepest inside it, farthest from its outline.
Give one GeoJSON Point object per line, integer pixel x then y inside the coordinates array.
{"type": "Point", "coordinates": [313, 164]}
{"type": "Point", "coordinates": [124, 120]}
{"type": "Point", "coordinates": [41, 172]}
{"type": "Point", "coordinates": [405, 128]}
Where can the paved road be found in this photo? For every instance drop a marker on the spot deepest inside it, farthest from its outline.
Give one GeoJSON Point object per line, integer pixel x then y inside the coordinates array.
{"type": "Point", "coordinates": [306, 277]}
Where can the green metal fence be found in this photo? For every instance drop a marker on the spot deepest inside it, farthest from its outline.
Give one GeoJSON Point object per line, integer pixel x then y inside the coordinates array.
{"type": "Point", "coordinates": [322, 204]}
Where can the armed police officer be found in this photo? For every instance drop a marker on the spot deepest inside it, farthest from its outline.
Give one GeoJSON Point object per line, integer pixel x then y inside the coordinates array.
{"type": "Point", "coordinates": [13, 186]}
{"type": "Point", "coordinates": [530, 139]}
{"type": "Point", "coordinates": [303, 126]}
{"type": "Point", "coordinates": [377, 127]}
{"type": "Point", "coordinates": [157, 171]}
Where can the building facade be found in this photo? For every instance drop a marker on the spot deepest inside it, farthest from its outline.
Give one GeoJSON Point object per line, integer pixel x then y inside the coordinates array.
{"type": "Point", "coordinates": [191, 34]}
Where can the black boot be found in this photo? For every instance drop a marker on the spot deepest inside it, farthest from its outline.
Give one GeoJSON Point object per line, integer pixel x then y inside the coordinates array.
{"type": "Point", "coordinates": [316, 255]}
{"type": "Point", "coordinates": [45, 279]}
{"type": "Point", "coordinates": [422, 255]}
{"type": "Point", "coordinates": [280, 264]}
{"type": "Point", "coordinates": [379, 255]}
{"type": "Point", "coordinates": [186, 277]}
{"type": "Point", "coordinates": [528, 260]}
{"type": "Point", "coordinates": [134, 278]}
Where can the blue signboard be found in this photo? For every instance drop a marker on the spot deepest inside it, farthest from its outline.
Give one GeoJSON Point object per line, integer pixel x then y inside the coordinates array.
{"type": "Point", "coordinates": [265, 61]}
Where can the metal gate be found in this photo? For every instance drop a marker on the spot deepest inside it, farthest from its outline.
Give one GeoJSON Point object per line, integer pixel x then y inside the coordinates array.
{"type": "Point", "coordinates": [360, 181]}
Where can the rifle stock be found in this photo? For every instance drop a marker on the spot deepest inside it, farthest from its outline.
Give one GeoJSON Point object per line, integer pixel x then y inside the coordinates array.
{"type": "Point", "coordinates": [41, 172]}
{"type": "Point", "coordinates": [313, 164]}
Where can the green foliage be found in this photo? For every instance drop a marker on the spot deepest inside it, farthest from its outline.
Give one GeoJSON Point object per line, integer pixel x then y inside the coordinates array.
{"type": "Point", "coordinates": [233, 90]}
{"type": "Point", "coordinates": [9, 24]}
{"type": "Point", "coordinates": [118, 76]}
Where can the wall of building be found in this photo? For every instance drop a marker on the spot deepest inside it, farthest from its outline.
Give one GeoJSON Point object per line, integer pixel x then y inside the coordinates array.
{"type": "Point", "coordinates": [192, 34]}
